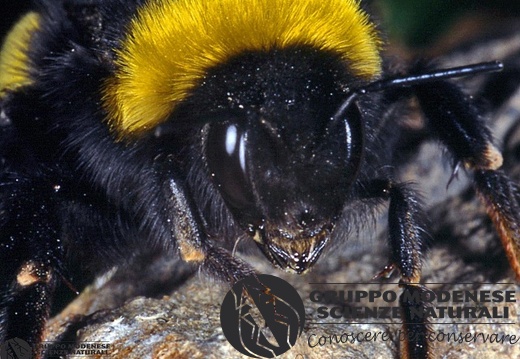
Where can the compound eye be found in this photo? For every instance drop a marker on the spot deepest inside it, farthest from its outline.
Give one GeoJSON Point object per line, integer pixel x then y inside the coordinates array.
{"type": "Point", "coordinates": [226, 159]}
{"type": "Point", "coordinates": [354, 137]}
{"type": "Point", "coordinates": [348, 121]}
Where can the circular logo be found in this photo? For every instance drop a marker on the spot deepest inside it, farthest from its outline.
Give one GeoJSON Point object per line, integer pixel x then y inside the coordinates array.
{"type": "Point", "coordinates": [262, 316]}
{"type": "Point", "coordinates": [15, 349]}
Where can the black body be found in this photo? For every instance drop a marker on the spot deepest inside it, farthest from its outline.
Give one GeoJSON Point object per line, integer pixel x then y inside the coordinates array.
{"type": "Point", "coordinates": [67, 184]}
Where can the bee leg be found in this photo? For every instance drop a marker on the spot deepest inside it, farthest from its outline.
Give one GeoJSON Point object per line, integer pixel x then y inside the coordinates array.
{"type": "Point", "coordinates": [456, 122]}
{"type": "Point", "coordinates": [195, 246]}
{"type": "Point", "coordinates": [30, 254]}
{"type": "Point", "coordinates": [502, 200]}
{"type": "Point", "coordinates": [407, 240]}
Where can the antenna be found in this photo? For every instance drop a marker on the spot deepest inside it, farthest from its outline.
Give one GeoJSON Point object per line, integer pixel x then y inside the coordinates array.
{"type": "Point", "coordinates": [411, 80]}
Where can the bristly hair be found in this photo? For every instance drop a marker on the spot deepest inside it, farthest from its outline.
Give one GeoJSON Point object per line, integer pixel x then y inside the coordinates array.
{"type": "Point", "coordinates": [170, 45]}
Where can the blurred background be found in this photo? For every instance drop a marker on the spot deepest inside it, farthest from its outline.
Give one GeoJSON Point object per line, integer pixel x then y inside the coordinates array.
{"type": "Point", "coordinates": [421, 23]}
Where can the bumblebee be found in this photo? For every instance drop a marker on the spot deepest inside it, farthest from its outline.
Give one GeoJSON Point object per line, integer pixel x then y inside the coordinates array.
{"type": "Point", "coordinates": [185, 125]}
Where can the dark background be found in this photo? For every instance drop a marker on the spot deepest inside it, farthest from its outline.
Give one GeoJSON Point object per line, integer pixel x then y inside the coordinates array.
{"type": "Point", "coordinates": [419, 23]}
{"type": "Point", "coordinates": [11, 11]}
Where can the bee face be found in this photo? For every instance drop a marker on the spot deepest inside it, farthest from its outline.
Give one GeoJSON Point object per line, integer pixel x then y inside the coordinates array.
{"type": "Point", "coordinates": [181, 125]}
{"type": "Point", "coordinates": [281, 160]}
{"type": "Point", "coordinates": [266, 101]}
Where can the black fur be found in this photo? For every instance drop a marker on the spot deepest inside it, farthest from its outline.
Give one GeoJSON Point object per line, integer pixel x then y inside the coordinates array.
{"type": "Point", "coordinates": [67, 184]}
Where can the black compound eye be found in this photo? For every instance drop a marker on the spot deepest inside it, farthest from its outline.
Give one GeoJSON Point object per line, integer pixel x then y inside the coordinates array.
{"type": "Point", "coordinates": [354, 135]}
{"type": "Point", "coordinates": [226, 151]}
{"type": "Point", "coordinates": [348, 123]}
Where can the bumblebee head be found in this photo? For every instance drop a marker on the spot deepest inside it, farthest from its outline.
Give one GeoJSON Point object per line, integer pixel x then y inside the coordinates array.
{"type": "Point", "coordinates": [264, 80]}
{"type": "Point", "coordinates": [281, 160]}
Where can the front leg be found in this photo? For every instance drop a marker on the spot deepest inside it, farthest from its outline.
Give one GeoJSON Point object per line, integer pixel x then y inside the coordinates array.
{"type": "Point", "coordinates": [502, 200]}
{"type": "Point", "coordinates": [457, 123]}
{"type": "Point", "coordinates": [408, 242]}
{"type": "Point", "coordinates": [194, 244]}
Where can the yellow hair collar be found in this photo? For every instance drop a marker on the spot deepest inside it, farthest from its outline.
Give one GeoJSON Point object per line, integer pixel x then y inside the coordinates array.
{"type": "Point", "coordinates": [14, 62]}
{"type": "Point", "coordinates": [172, 43]}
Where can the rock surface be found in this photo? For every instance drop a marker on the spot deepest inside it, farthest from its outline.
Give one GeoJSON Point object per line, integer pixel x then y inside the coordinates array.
{"type": "Point", "coordinates": [186, 323]}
